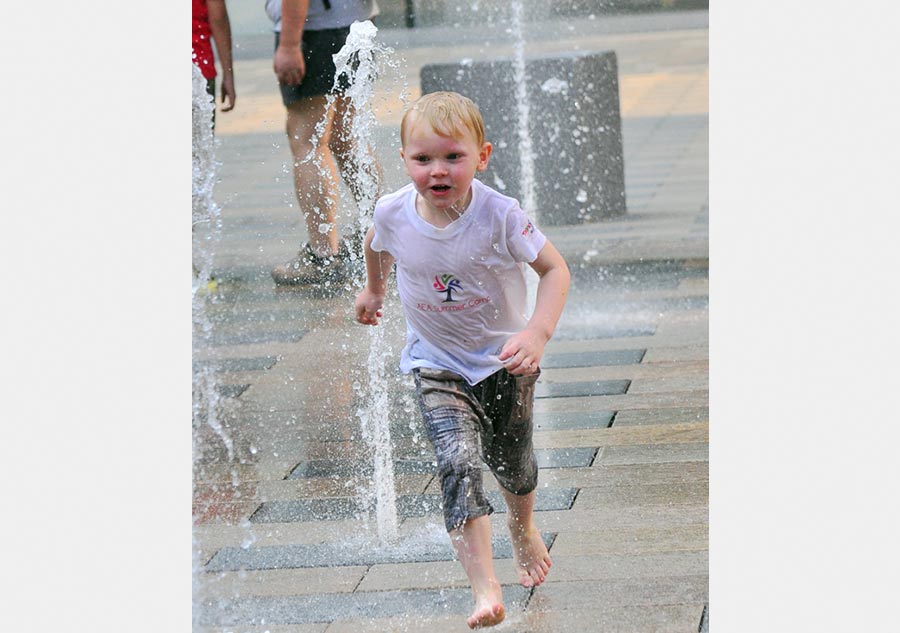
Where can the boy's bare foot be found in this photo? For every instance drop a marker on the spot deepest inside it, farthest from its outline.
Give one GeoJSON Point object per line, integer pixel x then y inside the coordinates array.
{"type": "Point", "coordinates": [532, 558]}
{"type": "Point", "coordinates": [486, 614]}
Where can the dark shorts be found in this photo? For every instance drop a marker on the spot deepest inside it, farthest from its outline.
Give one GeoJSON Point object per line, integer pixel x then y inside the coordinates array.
{"type": "Point", "coordinates": [318, 48]}
{"type": "Point", "coordinates": [490, 421]}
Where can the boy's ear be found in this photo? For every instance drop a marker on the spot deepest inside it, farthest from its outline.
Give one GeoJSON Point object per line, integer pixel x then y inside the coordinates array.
{"type": "Point", "coordinates": [484, 155]}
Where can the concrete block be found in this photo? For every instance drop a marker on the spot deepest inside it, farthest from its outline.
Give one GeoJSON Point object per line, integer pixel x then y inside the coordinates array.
{"type": "Point", "coordinates": [574, 125]}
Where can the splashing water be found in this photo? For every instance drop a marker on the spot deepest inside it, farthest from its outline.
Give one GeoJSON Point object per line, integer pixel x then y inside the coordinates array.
{"type": "Point", "coordinates": [206, 227]}
{"type": "Point", "coordinates": [526, 152]}
{"type": "Point", "coordinates": [357, 61]}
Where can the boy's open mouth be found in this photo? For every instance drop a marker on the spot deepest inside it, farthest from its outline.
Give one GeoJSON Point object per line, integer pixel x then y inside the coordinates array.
{"type": "Point", "coordinates": [440, 188]}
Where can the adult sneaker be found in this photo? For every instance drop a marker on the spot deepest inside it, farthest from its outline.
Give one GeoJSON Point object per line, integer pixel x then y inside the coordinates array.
{"type": "Point", "coordinates": [309, 268]}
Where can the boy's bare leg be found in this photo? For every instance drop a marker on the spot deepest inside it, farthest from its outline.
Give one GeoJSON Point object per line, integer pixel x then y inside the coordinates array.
{"type": "Point", "coordinates": [532, 558]}
{"type": "Point", "coordinates": [472, 543]}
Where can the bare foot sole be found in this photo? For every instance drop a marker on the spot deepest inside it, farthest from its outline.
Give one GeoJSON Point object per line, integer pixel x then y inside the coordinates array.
{"type": "Point", "coordinates": [532, 558]}
{"type": "Point", "coordinates": [490, 615]}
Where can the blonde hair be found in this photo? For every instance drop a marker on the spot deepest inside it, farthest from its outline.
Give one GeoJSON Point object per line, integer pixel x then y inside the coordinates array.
{"type": "Point", "coordinates": [450, 114]}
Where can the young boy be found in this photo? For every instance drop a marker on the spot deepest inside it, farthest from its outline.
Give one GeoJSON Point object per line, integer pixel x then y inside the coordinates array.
{"type": "Point", "coordinates": [459, 247]}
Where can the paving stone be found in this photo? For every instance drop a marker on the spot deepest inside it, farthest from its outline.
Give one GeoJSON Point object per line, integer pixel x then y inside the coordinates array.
{"type": "Point", "coordinates": [299, 556]}
{"type": "Point", "coordinates": [577, 389]}
{"type": "Point", "coordinates": [622, 592]}
{"type": "Point", "coordinates": [263, 628]}
{"type": "Point", "coordinates": [593, 359]}
{"type": "Point", "coordinates": [662, 434]}
{"type": "Point", "coordinates": [661, 618]}
{"type": "Point", "coordinates": [565, 457]}
{"type": "Point", "coordinates": [632, 540]}
{"type": "Point", "coordinates": [231, 391]}
{"type": "Point", "coordinates": [687, 382]}
{"type": "Point", "coordinates": [256, 610]}
{"type": "Point", "coordinates": [545, 499]}
{"type": "Point", "coordinates": [546, 458]}
{"type": "Point", "coordinates": [336, 508]}
{"type": "Point", "coordinates": [686, 493]}
{"type": "Point", "coordinates": [559, 420]}
{"type": "Point", "coordinates": [673, 415]}
{"type": "Point", "coordinates": [307, 510]}
{"type": "Point", "coordinates": [279, 582]}
{"type": "Point", "coordinates": [248, 338]}
{"type": "Point", "coordinates": [653, 453]}
{"type": "Point", "coordinates": [603, 567]}
{"type": "Point", "coordinates": [222, 365]}
{"type": "Point", "coordinates": [572, 332]}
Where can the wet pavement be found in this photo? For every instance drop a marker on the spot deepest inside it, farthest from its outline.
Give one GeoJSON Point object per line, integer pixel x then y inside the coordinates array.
{"type": "Point", "coordinates": [286, 538]}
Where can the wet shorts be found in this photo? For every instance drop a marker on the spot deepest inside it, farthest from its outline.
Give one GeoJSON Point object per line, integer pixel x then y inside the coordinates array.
{"type": "Point", "coordinates": [491, 421]}
{"type": "Point", "coordinates": [318, 48]}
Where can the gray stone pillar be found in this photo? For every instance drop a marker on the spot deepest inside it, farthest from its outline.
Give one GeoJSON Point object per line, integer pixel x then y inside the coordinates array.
{"type": "Point", "coordinates": [574, 125]}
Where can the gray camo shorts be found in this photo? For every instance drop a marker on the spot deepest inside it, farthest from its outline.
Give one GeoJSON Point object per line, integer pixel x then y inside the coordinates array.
{"type": "Point", "coordinates": [490, 421]}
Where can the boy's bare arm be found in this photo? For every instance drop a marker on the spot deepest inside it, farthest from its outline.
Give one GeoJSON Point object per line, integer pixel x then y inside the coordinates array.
{"type": "Point", "coordinates": [378, 268]}
{"type": "Point", "coordinates": [523, 352]}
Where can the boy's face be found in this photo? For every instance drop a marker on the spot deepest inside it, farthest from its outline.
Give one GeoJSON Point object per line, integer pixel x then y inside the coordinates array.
{"type": "Point", "coordinates": [442, 168]}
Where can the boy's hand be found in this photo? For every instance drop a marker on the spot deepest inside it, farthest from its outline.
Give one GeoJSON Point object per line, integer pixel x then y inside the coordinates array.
{"type": "Point", "coordinates": [368, 307]}
{"type": "Point", "coordinates": [523, 352]}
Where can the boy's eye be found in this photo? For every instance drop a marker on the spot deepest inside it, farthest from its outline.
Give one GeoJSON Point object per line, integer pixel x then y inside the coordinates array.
{"type": "Point", "coordinates": [453, 156]}
{"type": "Point", "coordinates": [421, 159]}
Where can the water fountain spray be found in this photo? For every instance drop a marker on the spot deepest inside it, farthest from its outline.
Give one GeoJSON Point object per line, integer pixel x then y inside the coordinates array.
{"type": "Point", "coordinates": [206, 227]}
{"type": "Point", "coordinates": [357, 60]}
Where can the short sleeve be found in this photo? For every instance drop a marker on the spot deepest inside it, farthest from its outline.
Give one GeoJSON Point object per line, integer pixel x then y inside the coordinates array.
{"type": "Point", "coordinates": [524, 240]}
{"type": "Point", "coordinates": [381, 235]}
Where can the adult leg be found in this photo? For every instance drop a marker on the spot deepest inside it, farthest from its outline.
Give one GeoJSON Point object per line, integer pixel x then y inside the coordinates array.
{"type": "Point", "coordinates": [360, 170]}
{"type": "Point", "coordinates": [315, 176]}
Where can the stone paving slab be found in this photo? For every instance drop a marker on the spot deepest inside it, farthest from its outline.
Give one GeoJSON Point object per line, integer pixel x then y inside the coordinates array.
{"type": "Point", "coordinates": [639, 619]}
{"type": "Point", "coordinates": [586, 518]}
{"type": "Point", "coordinates": [678, 618]}
{"type": "Point", "coordinates": [240, 364]}
{"type": "Point", "coordinates": [282, 582]}
{"type": "Point", "coordinates": [263, 628]}
{"type": "Point", "coordinates": [662, 434]}
{"type": "Point", "coordinates": [688, 493]}
{"type": "Point", "coordinates": [627, 475]}
{"type": "Point", "coordinates": [577, 420]}
{"type": "Point", "coordinates": [673, 415]}
{"type": "Point", "coordinates": [329, 607]}
{"type": "Point", "coordinates": [644, 373]}
{"type": "Point", "coordinates": [624, 402]}
{"type": "Point", "coordinates": [580, 388]}
{"type": "Point", "coordinates": [332, 468]}
{"type": "Point", "coordinates": [269, 490]}
{"type": "Point", "coordinates": [622, 592]}
{"type": "Point", "coordinates": [692, 537]}
{"type": "Point", "coordinates": [604, 567]}
{"type": "Point", "coordinates": [655, 453]}
{"type": "Point", "coordinates": [299, 556]}
{"type": "Point", "coordinates": [592, 359]}
{"type": "Point", "coordinates": [326, 509]}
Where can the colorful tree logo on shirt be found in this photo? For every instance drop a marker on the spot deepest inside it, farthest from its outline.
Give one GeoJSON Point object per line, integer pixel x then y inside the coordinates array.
{"type": "Point", "coordinates": [447, 283]}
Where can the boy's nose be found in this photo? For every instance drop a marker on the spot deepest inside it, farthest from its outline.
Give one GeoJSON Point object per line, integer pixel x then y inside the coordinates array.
{"type": "Point", "coordinates": [438, 168]}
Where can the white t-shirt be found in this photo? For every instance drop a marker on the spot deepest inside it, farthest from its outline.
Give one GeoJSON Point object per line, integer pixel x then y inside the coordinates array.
{"type": "Point", "coordinates": [462, 287]}
{"type": "Point", "coordinates": [342, 13]}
